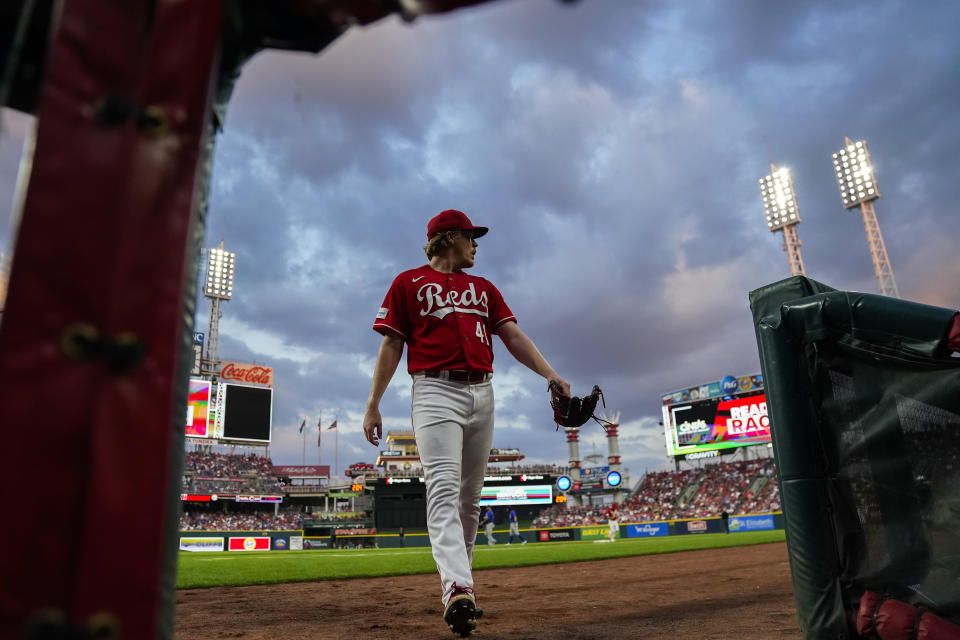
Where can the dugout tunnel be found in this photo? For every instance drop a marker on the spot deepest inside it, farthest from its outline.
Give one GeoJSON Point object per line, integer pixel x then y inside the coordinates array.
{"type": "Point", "coordinates": [864, 399]}
{"type": "Point", "coordinates": [128, 95]}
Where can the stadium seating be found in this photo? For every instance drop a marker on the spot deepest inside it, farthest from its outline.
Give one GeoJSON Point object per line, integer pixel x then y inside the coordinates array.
{"type": "Point", "coordinates": [741, 487]}
{"type": "Point", "coordinates": [207, 521]}
{"type": "Point", "coordinates": [228, 474]}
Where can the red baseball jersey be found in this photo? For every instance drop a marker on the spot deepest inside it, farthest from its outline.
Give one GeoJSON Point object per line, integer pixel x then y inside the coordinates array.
{"type": "Point", "coordinates": [446, 319]}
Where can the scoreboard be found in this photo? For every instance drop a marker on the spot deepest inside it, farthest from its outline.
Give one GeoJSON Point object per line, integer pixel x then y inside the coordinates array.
{"type": "Point", "coordinates": [716, 417]}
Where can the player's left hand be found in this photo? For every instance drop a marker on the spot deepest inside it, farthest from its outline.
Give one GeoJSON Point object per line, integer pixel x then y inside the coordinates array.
{"type": "Point", "coordinates": [373, 426]}
{"type": "Point", "coordinates": [564, 385]}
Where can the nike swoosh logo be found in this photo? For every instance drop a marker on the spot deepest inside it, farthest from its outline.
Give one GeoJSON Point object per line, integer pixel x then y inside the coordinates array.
{"type": "Point", "coordinates": [415, 279]}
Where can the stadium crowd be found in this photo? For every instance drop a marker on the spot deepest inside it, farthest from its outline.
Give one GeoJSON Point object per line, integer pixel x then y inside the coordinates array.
{"type": "Point", "coordinates": [207, 472]}
{"type": "Point", "coordinates": [339, 516]}
{"type": "Point", "coordinates": [243, 521]}
{"type": "Point", "coordinates": [742, 487]}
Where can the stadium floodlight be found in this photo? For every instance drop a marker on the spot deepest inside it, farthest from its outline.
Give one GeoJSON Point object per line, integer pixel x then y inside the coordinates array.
{"type": "Point", "coordinates": [219, 280]}
{"type": "Point", "coordinates": [855, 177]}
{"type": "Point", "coordinates": [218, 286]}
{"type": "Point", "coordinates": [858, 188]}
{"type": "Point", "coordinates": [782, 213]}
{"type": "Point", "coordinates": [779, 199]}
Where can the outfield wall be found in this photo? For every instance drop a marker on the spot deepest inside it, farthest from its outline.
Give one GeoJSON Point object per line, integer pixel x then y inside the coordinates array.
{"type": "Point", "coordinates": [285, 540]}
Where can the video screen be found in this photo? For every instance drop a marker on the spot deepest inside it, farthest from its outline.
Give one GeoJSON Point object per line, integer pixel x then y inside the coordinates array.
{"type": "Point", "coordinates": [496, 496]}
{"type": "Point", "coordinates": [717, 423]}
{"type": "Point", "coordinates": [198, 409]}
{"type": "Point", "coordinates": [247, 412]}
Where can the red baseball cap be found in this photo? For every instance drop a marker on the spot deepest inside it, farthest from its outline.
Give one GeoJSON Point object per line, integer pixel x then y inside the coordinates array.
{"type": "Point", "coordinates": [453, 219]}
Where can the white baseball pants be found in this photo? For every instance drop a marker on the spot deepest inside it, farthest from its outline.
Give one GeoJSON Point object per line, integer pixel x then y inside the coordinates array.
{"type": "Point", "coordinates": [453, 427]}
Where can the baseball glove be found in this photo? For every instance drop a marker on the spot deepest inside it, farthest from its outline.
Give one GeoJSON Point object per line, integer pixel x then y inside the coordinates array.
{"type": "Point", "coordinates": [572, 411]}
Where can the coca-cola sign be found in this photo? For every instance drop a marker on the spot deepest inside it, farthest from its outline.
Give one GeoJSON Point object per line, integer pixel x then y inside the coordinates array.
{"type": "Point", "coordinates": [248, 373]}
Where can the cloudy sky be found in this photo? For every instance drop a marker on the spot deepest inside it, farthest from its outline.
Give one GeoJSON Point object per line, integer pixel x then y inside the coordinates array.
{"type": "Point", "coordinates": [613, 147]}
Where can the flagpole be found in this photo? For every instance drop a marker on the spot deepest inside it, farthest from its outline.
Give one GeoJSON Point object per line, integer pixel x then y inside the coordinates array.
{"type": "Point", "coordinates": [319, 439]}
{"type": "Point", "coordinates": [336, 448]}
{"type": "Point", "coordinates": [303, 456]}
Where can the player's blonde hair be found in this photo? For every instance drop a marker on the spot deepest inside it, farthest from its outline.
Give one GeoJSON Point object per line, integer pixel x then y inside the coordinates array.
{"type": "Point", "coordinates": [438, 242]}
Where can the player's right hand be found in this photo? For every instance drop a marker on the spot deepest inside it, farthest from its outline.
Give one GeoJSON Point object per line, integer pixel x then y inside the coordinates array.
{"type": "Point", "coordinates": [373, 426]}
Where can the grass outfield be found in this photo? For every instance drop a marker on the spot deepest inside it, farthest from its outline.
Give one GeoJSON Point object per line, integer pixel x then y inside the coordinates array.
{"type": "Point", "coordinates": [240, 568]}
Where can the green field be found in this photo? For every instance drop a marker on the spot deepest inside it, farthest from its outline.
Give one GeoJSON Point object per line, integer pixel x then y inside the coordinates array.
{"type": "Point", "coordinates": [238, 568]}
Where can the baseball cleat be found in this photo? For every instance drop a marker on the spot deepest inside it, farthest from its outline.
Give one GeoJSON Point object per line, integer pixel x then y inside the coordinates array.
{"type": "Point", "coordinates": [461, 612]}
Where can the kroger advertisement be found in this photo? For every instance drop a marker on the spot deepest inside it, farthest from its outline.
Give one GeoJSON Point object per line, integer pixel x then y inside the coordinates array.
{"type": "Point", "coordinates": [719, 415]}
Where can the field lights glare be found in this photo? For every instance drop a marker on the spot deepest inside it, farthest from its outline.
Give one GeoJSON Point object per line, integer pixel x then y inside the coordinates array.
{"type": "Point", "coordinates": [779, 199]}
{"type": "Point", "coordinates": [855, 177]}
{"type": "Point", "coordinates": [219, 280]}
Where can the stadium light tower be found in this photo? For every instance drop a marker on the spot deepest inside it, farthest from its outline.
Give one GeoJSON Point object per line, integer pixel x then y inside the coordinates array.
{"type": "Point", "coordinates": [782, 213]}
{"type": "Point", "coordinates": [218, 286]}
{"type": "Point", "coordinates": [858, 187]}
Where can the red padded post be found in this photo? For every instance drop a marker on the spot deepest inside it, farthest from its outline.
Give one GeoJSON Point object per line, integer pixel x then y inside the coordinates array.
{"type": "Point", "coordinates": [91, 333]}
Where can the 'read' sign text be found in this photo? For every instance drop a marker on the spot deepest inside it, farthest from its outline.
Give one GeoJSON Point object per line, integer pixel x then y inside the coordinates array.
{"type": "Point", "coordinates": [248, 373]}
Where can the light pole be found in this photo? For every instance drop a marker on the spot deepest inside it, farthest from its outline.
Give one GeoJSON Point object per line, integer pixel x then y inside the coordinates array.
{"type": "Point", "coordinates": [858, 188]}
{"type": "Point", "coordinates": [218, 286]}
{"type": "Point", "coordinates": [782, 213]}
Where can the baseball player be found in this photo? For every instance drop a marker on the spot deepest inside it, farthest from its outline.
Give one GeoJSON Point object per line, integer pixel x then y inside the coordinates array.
{"type": "Point", "coordinates": [614, 522]}
{"type": "Point", "coordinates": [514, 527]}
{"type": "Point", "coordinates": [488, 527]}
{"type": "Point", "coordinates": [447, 319]}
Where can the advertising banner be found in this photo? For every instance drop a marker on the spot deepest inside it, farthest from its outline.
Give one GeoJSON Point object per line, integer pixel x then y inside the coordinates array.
{"type": "Point", "coordinates": [296, 543]}
{"type": "Point", "coordinates": [201, 544]}
{"type": "Point", "coordinates": [598, 532]}
{"type": "Point", "coordinates": [648, 530]}
{"type": "Point", "coordinates": [257, 543]}
{"type": "Point", "coordinates": [316, 543]}
{"type": "Point", "coordinates": [280, 544]}
{"type": "Point", "coordinates": [751, 523]}
{"type": "Point", "coordinates": [246, 373]}
{"type": "Point", "coordinates": [726, 386]}
{"type": "Point", "coordinates": [706, 525]}
{"type": "Point", "coordinates": [594, 473]}
{"type": "Point", "coordinates": [553, 535]}
{"type": "Point", "coordinates": [197, 353]}
{"type": "Point", "coordinates": [511, 494]}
